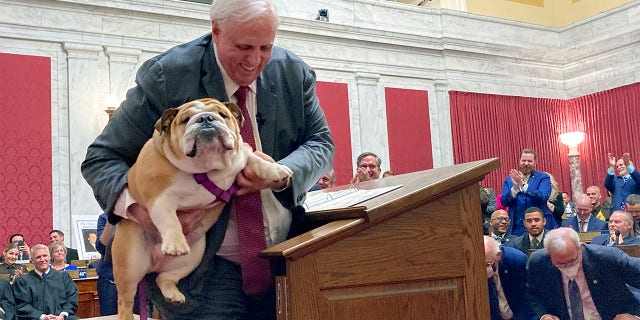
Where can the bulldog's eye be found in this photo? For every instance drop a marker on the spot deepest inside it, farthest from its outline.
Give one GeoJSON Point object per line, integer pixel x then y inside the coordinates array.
{"type": "Point", "coordinates": [223, 115]}
{"type": "Point", "coordinates": [185, 120]}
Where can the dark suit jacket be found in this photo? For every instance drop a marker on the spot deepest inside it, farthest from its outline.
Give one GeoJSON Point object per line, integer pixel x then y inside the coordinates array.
{"type": "Point", "coordinates": [72, 254]}
{"type": "Point", "coordinates": [513, 278]}
{"type": "Point", "coordinates": [292, 127]}
{"type": "Point", "coordinates": [606, 270]}
{"type": "Point", "coordinates": [537, 194]}
{"type": "Point", "coordinates": [7, 302]}
{"type": "Point", "coordinates": [603, 240]}
{"type": "Point", "coordinates": [595, 224]}
{"type": "Point", "coordinates": [620, 188]}
{"type": "Point", "coordinates": [523, 244]}
{"type": "Point", "coordinates": [34, 298]}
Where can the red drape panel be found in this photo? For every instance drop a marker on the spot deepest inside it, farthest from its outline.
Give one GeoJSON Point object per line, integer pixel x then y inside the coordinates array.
{"type": "Point", "coordinates": [25, 141]}
{"type": "Point", "coordinates": [334, 99]}
{"type": "Point", "coordinates": [409, 131]}
{"type": "Point", "coordinates": [486, 126]}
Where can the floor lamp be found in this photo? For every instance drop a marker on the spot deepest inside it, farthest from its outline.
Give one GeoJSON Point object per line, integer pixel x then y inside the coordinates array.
{"type": "Point", "coordinates": [572, 140]}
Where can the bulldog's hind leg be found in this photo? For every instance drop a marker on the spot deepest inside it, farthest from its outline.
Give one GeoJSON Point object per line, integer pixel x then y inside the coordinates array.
{"type": "Point", "coordinates": [130, 263]}
{"type": "Point", "coordinates": [178, 268]}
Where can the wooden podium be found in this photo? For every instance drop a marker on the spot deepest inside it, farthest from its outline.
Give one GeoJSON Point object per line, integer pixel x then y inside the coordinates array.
{"type": "Point", "coordinates": [413, 253]}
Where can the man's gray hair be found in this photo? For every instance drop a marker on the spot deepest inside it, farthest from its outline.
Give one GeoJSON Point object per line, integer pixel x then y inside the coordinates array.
{"type": "Point", "coordinates": [633, 199]}
{"type": "Point", "coordinates": [240, 10]}
{"type": "Point", "coordinates": [367, 154]}
{"type": "Point", "coordinates": [559, 239]}
{"type": "Point", "coordinates": [37, 247]}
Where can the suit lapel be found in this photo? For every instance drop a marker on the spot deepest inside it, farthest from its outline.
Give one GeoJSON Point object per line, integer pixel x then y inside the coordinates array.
{"type": "Point", "coordinates": [267, 113]}
{"type": "Point", "coordinates": [211, 80]}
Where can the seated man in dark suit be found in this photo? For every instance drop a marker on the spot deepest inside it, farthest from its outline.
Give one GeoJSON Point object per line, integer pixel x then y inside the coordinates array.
{"type": "Point", "coordinates": [499, 225]}
{"type": "Point", "coordinates": [45, 293]}
{"type": "Point", "coordinates": [534, 223]}
{"type": "Point", "coordinates": [7, 303]}
{"type": "Point", "coordinates": [565, 280]}
{"type": "Point", "coordinates": [618, 221]}
{"type": "Point", "coordinates": [507, 276]}
{"type": "Point", "coordinates": [584, 221]}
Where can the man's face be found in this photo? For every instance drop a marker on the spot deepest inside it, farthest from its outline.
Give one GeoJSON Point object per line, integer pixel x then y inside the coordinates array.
{"type": "Point", "coordinates": [621, 168]}
{"type": "Point", "coordinates": [41, 259]}
{"type": "Point", "coordinates": [617, 221]}
{"type": "Point", "coordinates": [56, 237]}
{"type": "Point", "coordinates": [569, 256]}
{"type": "Point", "coordinates": [244, 48]}
{"type": "Point", "coordinates": [92, 237]}
{"type": "Point", "coordinates": [370, 164]}
{"type": "Point", "coordinates": [634, 210]}
{"type": "Point", "coordinates": [527, 163]}
{"type": "Point", "coordinates": [17, 239]}
{"type": "Point", "coordinates": [565, 198]}
{"type": "Point", "coordinates": [594, 195]}
{"type": "Point", "coordinates": [325, 182]}
{"type": "Point", "coordinates": [500, 222]}
{"type": "Point", "coordinates": [583, 209]}
{"type": "Point", "coordinates": [534, 223]}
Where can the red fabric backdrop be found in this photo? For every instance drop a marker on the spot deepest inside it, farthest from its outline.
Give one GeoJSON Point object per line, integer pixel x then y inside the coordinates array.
{"type": "Point", "coordinates": [334, 99]}
{"type": "Point", "coordinates": [25, 141]}
{"type": "Point", "coordinates": [409, 132]}
{"type": "Point", "coordinates": [486, 126]}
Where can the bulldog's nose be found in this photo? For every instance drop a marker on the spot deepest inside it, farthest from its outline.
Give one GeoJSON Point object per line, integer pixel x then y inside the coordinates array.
{"type": "Point", "coordinates": [207, 118]}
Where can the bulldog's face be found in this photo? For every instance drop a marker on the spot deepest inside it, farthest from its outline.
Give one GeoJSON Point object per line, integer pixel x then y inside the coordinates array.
{"type": "Point", "coordinates": [198, 131]}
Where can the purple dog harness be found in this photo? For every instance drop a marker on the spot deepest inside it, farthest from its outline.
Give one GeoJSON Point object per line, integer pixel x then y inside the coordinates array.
{"type": "Point", "coordinates": [221, 195]}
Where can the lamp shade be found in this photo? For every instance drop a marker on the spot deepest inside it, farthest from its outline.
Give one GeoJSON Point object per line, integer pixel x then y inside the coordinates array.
{"type": "Point", "coordinates": [572, 138]}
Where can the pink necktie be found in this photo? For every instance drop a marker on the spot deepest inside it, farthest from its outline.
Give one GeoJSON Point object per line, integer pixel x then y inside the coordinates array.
{"type": "Point", "coordinates": [256, 273]}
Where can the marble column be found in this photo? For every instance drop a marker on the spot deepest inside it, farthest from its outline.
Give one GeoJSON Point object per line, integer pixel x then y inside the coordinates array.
{"type": "Point", "coordinates": [575, 174]}
{"type": "Point", "coordinates": [441, 137]}
{"type": "Point", "coordinates": [85, 116]}
{"type": "Point", "coordinates": [372, 115]}
{"type": "Point", "coordinates": [123, 63]}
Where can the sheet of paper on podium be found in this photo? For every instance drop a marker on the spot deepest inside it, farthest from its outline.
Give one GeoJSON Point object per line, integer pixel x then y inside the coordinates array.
{"type": "Point", "coordinates": [343, 198]}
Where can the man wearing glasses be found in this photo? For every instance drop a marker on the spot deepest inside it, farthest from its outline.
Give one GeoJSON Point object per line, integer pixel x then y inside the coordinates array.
{"type": "Point", "coordinates": [368, 167]}
{"type": "Point", "coordinates": [567, 280]}
{"type": "Point", "coordinates": [584, 221]}
{"type": "Point", "coordinates": [499, 226]}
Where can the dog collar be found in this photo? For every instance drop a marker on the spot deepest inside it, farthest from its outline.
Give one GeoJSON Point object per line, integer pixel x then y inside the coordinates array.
{"type": "Point", "coordinates": [221, 195]}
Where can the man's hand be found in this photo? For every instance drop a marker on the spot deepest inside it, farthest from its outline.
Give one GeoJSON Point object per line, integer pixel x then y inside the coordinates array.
{"type": "Point", "coordinates": [249, 182]}
{"type": "Point", "coordinates": [612, 161]}
{"type": "Point", "coordinates": [517, 178]}
{"type": "Point", "coordinates": [626, 159]}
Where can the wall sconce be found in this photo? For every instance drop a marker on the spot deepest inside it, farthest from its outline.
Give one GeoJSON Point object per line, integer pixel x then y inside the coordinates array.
{"type": "Point", "coordinates": [572, 140]}
{"type": "Point", "coordinates": [323, 15]}
{"type": "Point", "coordinates": [111, 102]}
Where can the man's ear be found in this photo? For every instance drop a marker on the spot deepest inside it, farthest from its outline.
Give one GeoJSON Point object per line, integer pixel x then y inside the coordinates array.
{"type": "Point", "coordinates": [163, 125]}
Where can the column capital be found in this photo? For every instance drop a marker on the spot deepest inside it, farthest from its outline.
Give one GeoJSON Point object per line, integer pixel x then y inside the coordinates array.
{"type": "Point", "coordinates": [81, 51]}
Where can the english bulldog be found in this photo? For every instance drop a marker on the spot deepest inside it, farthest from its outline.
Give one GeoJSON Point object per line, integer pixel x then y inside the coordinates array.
{"type": "Point", "coordinates": [194, 145]}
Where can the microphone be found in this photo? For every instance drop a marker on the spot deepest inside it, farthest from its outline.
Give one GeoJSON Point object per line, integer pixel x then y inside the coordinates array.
{"type": "Point", "coordinates": [260, 119]}
{"type": "Point", "coordinates": [617, 242]}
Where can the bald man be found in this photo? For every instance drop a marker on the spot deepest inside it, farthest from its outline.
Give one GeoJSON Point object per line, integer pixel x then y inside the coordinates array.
{"type": "Point", "coordinates": [584, 221]}
{"type": "Point", "coordinates": [499, 225]}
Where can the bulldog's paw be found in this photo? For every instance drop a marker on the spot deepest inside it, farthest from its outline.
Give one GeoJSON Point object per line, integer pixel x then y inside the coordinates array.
{"type": "Point", "coordinates": [175, 246]}
{"type": "Point", "coordinates": [278, 173]}
{"type": "Point", "coordinates": [173, 295]}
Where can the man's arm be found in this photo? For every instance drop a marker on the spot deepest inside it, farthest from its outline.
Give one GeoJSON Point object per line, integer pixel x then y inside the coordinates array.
{"type": "Point", "coordinates": [506, 199]}
{"type": "Point", "coordinates": [22, 292]}
{"type": "Point", "coordinates": [541, 192]}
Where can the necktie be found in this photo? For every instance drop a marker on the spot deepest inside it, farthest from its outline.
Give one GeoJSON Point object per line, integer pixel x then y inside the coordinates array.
{"type": "Point", "coordinates": [582, 223]}
{"type": "Point", "coordinates": [535, 243]}
{"type": "Point", "coordinates": [575, 300]}
{"type": "Point", "coordinates": [256, 273]}
{"type": "Point", "coordinates": [636, 228]}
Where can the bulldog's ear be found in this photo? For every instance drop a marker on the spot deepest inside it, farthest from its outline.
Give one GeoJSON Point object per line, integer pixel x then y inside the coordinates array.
{"type": "Point", "coordinates": [236, 112]}
{"type": "Point", "coordinates": [163, 125]}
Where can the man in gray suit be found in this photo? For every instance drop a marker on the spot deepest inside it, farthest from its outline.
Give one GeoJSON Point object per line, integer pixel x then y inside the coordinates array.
{"type": "Point", "coordinates": [282, 106]}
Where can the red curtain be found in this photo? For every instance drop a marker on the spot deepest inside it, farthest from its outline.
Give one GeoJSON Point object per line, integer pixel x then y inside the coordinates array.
{"type": "Point", "coordinates": [487, 126]}
{"type": "Point", "coordinates": [25, 179]}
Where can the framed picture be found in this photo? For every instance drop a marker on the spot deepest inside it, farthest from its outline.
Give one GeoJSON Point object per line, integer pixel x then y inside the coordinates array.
{"type": "Point", "coordinates": [84, 229]}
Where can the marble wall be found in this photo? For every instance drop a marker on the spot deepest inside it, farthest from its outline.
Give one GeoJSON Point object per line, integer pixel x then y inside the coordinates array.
{"type": "Point", "coordinates": [95, 47]}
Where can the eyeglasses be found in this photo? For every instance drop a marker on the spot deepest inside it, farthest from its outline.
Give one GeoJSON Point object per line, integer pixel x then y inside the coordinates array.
{"type": "Point", "coordinates": [501, 219]}
{"type": "Point", "coordinates": [370, 166]}
{"type": "Point", "coordinates": [583, 210]}
{"type": "Point", "coordinates": [568, 264]}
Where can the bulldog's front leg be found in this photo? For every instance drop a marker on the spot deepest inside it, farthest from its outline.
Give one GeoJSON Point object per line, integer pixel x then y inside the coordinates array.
{"type": "Point", "coordinates": [165, 218]}
{"type": "Point", "coordinates": [269, 171]}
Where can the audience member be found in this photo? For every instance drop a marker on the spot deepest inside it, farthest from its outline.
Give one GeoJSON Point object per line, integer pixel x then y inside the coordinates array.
{"type": "Point", "coordinates": [44, 293]}
{"type": "Point", "coordinates": [9, 265]}
{"type": "Point", "coordinates": [327, 180]}
{"type": "Point", "coordinates": [593, 192]}
{"type": "Point", "coordinates": [240, 52]}
{"type": "Point", "coordinates": [499, 225]}
{"type": "Point", "coordinates": [584, 221]}
{"type": "Point", "coordinates": [23, 255]}
{"type": "Point", "coordinates": [58, 236]}
{"type": "Point", "coordinates": [7, 303]}
{"type": "Point", "coordinates": [525, 188]}
{"type": "Point", "coordinates": [555, 203]}
{"type": "Point", "coordinates": [623, 223]}
{"type": "Point", "coordinates": [569, 206]}
{"type": "Point", "coordinates": [534, 223]}
{"type": "Point", "coordinates": [488, 206]}
{"type": "Point", "coordinates": [632, 206]}
{"type": "Point", "coordinates": [58, 253]}
{"type": "Point", "coordinates": [367, 167]}
{"type": "Point", "coordinates": [388, 173]}
{"type": "Point", "coordinates": [626, 182]}
{"type": "Point", "coordinates": [570, 280]}
{"type": "Point", "coordinates": [506, 276]}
